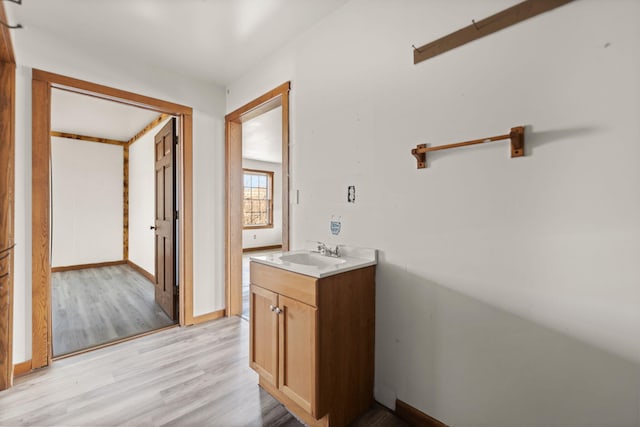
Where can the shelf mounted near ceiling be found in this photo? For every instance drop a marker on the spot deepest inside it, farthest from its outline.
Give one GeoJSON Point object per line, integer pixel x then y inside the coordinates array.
{"type": "Point", "coordinates": [516, 135]}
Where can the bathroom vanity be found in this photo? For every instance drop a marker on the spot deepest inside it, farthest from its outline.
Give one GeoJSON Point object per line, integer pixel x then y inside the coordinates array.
{"type": "Point", "coordinates": [312, 333]}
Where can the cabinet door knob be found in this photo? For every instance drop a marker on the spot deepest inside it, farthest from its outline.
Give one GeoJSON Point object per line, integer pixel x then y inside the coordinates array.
{"type": "Point", "coordinates": [278, 310]}
{"type": "Point", "coordinates": [271, 307]}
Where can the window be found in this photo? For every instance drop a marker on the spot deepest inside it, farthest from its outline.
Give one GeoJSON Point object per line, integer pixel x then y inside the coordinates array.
{"type": "Point", "coordinates": [257, 199]}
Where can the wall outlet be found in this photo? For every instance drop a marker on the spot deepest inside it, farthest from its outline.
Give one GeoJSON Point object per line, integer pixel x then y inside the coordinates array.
{"type": "Point", "coordinates": [351, 194]}
{"type": "Point", "coordinates": [254, 237]}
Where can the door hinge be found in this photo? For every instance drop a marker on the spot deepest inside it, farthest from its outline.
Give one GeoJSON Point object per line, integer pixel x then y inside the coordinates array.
{"type": "Point", "coordinates": [175, 140]}
{"type": "Point", "coordinates": [175, 216]}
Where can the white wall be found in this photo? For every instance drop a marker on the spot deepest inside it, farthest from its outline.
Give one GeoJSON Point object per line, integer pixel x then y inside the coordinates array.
{"type": "Point", "coordinates": [507, 289]}
{"type": "Point", "coordinates": [207, 101]}
{"type": "Point", "coordinates": [142, 200]}
{"type": "Point", "coordinates": [266, 236]}
{"type": "Point", "coordinates": [86, 196]}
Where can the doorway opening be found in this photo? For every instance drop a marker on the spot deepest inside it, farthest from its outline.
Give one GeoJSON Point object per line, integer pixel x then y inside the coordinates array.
{"type": "Point", "coordinates": [261, 191]}
{"type": "Point", "coordinates": [110, 182]}
{"type": "Point", "coordinates": [178, 214]}
{"type": "Point", "coordinates": [257, 151]}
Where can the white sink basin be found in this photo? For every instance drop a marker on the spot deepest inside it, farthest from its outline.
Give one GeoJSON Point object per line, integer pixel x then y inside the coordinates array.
{"type": "Point", "coordinates": [313, 264]}
{"type": "Point", "coordinates": [313, 259]}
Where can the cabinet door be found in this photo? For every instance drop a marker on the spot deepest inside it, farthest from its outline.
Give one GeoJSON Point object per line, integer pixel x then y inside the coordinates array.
{"type": "Point", "coordinates": [297, 339]}
{"type": "Point", "coordinates": [263, 347]}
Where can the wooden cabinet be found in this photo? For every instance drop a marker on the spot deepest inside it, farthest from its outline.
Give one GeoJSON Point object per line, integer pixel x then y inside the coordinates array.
{"type": "Point", "coordinates": [312, 341]}
{"type": "Point", "coordinates": [264, 330]}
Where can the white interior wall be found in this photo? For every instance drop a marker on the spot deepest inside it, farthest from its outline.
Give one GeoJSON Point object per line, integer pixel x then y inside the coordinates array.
{"type": "Point", "coordinates": [142, 200]}
{"type": "Point", "coordinates": [254, 238]}
{"type": "Point", "coordinates": [207, 101]}
{"type": "Point", "coordinates": [86, 202]}
{"type": "Point", "coordinates": [507, 288]}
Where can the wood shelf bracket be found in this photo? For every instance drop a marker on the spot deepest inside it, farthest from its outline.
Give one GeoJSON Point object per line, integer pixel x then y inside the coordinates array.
{"type": "Point", "coordinates": [516, 135]}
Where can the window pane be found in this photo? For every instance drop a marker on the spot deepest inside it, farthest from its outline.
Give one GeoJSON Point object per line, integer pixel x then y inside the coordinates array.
{"type": "Point", "coordinates": [256, 195]}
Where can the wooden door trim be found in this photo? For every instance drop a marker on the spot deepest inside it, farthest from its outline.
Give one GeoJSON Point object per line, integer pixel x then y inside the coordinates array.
{"type": "Point", "coordinates": [42, 83]}
{"type": "Point", "coordinates": [7, 193]}
{"type": "Point", "coordinates": [7, 205]}
{"type": "Point", "coordinates": [277, 97]}
{"type": "Point", "coordinates": [109, 93]}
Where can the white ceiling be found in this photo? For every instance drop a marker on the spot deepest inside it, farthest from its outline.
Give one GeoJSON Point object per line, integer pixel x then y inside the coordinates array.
{"type": "Point", "coordinates": [262, 137]}
{"type": "Point", "coordinates": [91, 116]}
{"type": "Point", "coordinates": [209, 40]}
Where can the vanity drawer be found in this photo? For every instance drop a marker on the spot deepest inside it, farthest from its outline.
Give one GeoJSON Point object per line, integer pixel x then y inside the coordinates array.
{"type": "Point", "coordinates": [293, 285]}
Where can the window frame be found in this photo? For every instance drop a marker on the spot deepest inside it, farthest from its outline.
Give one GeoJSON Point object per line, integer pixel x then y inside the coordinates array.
{"type": "Point", "coordinates": [270, 181]}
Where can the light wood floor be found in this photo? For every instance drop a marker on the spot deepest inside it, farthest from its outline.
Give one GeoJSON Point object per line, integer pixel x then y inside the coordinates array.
{"type": "Point", "coordinates": [193, 376]}
{"type": "Point", "coordinates": [98, 305]}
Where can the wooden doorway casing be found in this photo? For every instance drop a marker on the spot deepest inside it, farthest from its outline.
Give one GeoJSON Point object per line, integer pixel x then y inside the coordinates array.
{"type": "Point", "coordinates": [42, 83]}
{"type": "Point", "coordinates": [7, 200]}
{"type": "Point", "coordinates": [278, 97]}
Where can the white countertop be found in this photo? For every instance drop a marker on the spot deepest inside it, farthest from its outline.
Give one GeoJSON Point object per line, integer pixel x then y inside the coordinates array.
{"type": "Point", "coordinates": [350, 259]}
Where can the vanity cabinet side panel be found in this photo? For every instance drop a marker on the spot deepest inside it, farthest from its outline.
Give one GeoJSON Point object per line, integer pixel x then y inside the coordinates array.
{"type": "Point", "coordinates": [346, 340]}
{"type": "Point", "coordinates": [263, 333]}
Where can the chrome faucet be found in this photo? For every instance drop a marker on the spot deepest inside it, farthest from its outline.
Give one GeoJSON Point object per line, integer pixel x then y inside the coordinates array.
{"type": "Point", "coordinates": [325, 250]}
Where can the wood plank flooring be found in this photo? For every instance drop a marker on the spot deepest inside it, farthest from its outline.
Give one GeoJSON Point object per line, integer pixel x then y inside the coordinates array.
{"type": "Point", "coordinates": [193, 376]}
{"type": "Point", "coordinates": [94, 306]}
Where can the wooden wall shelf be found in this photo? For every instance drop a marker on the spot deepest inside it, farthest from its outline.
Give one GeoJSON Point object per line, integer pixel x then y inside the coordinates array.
{"type": "Point", "coordinates": [516, 135]}
{"type": "Point", "coordinates": [478, 29]}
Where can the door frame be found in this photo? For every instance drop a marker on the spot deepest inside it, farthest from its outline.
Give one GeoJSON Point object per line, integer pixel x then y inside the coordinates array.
{"type": "Point", "coordinates": [278, 97]}
{"type": "Point", "coordinates": [42, 83]}
{"type": "Point", "coordinates": [7, 194]}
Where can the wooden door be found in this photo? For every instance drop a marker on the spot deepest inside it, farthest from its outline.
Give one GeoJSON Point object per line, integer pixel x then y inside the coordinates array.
{"type": "Point", "coordinates": [297, 352]}
{"type": "Point", "coordinates": [263, 344]}
{"type": "Point", "coordinates": [166, 292]}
